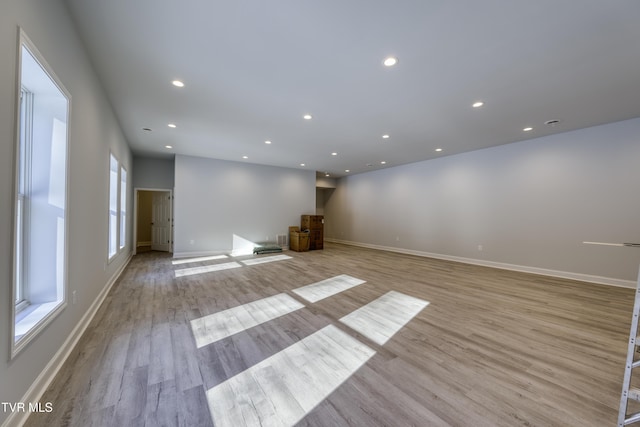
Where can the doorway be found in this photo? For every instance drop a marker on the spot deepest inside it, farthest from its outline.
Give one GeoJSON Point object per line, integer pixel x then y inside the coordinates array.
{"type": "Point", "coordinates": [153, 228]}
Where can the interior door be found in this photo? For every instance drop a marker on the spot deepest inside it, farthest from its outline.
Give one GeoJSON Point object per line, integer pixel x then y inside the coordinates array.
{"type": "Point", "coordinates": [161, 222]}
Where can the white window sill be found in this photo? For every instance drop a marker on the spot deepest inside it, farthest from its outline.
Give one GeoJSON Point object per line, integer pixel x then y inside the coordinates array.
{"type": "Point", "coordinates": [32, 316]}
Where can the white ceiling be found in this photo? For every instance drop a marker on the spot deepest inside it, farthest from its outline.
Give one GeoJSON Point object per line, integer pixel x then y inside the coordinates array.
{"type": "Point", "coordinates": [253, 68]}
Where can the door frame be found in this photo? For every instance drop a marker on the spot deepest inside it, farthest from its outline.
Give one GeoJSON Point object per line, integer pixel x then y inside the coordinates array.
{"type": "Point", "coordinates": [136, 190]}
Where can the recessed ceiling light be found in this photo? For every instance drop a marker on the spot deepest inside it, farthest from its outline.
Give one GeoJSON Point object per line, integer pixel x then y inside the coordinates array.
{"type": "Point", "coordinates": [385, 136]}
{"type": "Point", "coordinates": [438, 149]}
{"type": "Point", "coordinates": [168, 146]}
{"type": "Point", "coordinates": [477, 104]}
{"type": "Point", "coordinates": [390, 61]}
{"type": "Point", "coordinates": [347, 170]}
{"type": "Point", "coordinates": [334, 154]}
{"type": "Point", "coordinates": [307, 117]}
{"type": "Point", "coordinates": [267, 142]}
{"type": "Point", "coordinates": [383, 162]}
{"type": "Point", "coordinates": [302, 164]}
{"type": "Point", "coordinates": [171, 125]}
{"type": "Point", "coordinates": [245, 157]}
{"type": "Point", "coordinates": [326, 174]}
{"type": "Point", "coordinates": [177, 83]}
{"type": "Point", "coordinates": [527, 129]}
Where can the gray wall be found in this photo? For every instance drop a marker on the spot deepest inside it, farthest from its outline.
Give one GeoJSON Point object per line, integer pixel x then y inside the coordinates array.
{"type": "Point", "coordinates": [93, 132]}
{"type": "Point", "coordinates": [215, 199]}
{"type": "Point", "coordinates": [150, 172]}
{"type": "Point", "coordinates": [528, 204]}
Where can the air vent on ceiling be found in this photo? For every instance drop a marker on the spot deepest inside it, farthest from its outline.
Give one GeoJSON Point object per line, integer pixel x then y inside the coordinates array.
{"type": "Point", "coordinates": [552, 122]}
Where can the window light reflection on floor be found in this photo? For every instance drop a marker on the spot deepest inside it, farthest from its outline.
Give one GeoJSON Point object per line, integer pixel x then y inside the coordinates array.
{"type": "Point", "coordinates": [262, 260]}
{"type": "Point", "coordinates": [282, 389]}
{"type": "Point", "coordinates": [328, 287]}
{"type": "Point", "coordinates": [206, 269]}
{"type": "Point", "coordinates": [382, 318]}
{"type": "Point", "coordinates": [198, 259]}
{"type": "Point", "coordinates": [214, 327]}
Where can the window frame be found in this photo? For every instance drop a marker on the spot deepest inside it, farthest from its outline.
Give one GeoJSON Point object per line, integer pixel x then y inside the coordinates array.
{"type": "Point", "coordinates": [122, 208]}
{"type": "Point", "coordinates": [113, 212]}
{"type": "Point", "coordinates": [29, 316]}
{"type": "Point", "coordinates": [116, 214]}
{"type": "Point", "coordinates": [23, 165]}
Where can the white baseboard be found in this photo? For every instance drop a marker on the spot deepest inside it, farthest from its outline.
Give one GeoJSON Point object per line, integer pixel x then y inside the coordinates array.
{"type": "Point", "coordinates": [504, 266]}
{"type": "Point", "coordinates": [44, 379]}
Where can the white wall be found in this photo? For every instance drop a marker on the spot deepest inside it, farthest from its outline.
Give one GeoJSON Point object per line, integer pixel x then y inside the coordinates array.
{"type": "Point", "coordinates": [528, 204]}
{"type": "Point", "coordinates": [93, 132]}
{"type": "Point", "coordinates": [217, 199]}
{"type": "Point", "coordinates": [150, 172]}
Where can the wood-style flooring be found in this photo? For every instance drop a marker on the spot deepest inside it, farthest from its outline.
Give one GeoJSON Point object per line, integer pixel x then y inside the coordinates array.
{"type": "Point", "coordinates": [456, 345]}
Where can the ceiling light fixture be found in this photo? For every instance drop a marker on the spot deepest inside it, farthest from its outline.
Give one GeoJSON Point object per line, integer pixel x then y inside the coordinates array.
{"type": "Point", "coordinates": [302, 164]}
{"type": "Point", "coordinates": [527, 129]}
{"type": "Point", "coordinates": [383, 162]}
{"type": "Point", "coordinates": [177, 83]}
{"type": "Point", "coordinates": [146, 129]}
{"type": "Point", "coordinates": [172, 126]}
{"type": "Point", "coordinates": [477, 104]}
{"type": "Point", "coordinates": [267, 142]}
{"type": "Point", "coordinates": [385, 136]}
{"type": "Point", "coordinates": [245, 157]}
{"type": "Point", "coordinates": [390, 61]}
{"type": "Point", "coordinates": [438, 149]}
{"type": "Point", "coordinates": [347, 170]}
{"type": "Point", "coordinates": [334, 154]}
{"type": "Point", "coordinates": [168, 146]}
{"type": "Point", "coordinates": [552, 122]}
{"type": "Point", "coordinates": [326, 174]}
{"type": "Point", "coordinates": [307, 117]}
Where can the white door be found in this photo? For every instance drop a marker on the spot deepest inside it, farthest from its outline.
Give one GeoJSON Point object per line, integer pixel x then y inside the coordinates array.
{"type": "Point", "coordinates": [161, 222]}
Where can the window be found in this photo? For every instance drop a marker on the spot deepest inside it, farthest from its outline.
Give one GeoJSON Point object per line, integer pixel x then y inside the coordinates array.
{"type": "Point", "coordinates": [117, 207]}
{"type": "Point", "coordinates": [123, 207]}
{"type": "Point", "coordinates": [113, 206]}
{"type": "Point", "coordinates": [40, 256]}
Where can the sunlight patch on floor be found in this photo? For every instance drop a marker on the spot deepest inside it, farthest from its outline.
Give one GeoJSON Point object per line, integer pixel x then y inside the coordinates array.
{"type": "Point", "coordinates": [326, 288]}
{"type": "Point", "coordinates": [282, 389]}
{"type": "Point", "coordinates": [223, 324]}
{"type": "Point", "coordinates": [206, 269]}
{"type": "Point", "coordinates": [198, 259]}
{"type": "Point", "coordinates": [262, 260]}
{"type": "Point", "coordinates": [383, 317]}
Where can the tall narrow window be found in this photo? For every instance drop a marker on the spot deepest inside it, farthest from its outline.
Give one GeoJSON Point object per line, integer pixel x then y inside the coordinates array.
{"type": "Point", "coordinates": [117, 207]}
{"type": "Point", "coordinates": [40, 256]}
{"type": "Point", "coordinates": [123, 207]}
{"type": "Point", "coordinates": [113, 206]}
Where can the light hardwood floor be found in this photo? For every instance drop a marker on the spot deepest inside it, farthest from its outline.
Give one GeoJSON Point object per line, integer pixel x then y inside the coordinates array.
{"type": "Point", "coordinates": [491, 348]}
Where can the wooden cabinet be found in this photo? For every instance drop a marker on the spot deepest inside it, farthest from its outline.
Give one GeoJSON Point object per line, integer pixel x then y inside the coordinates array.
{"type": "Point", "coordinates": [315, 225]}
